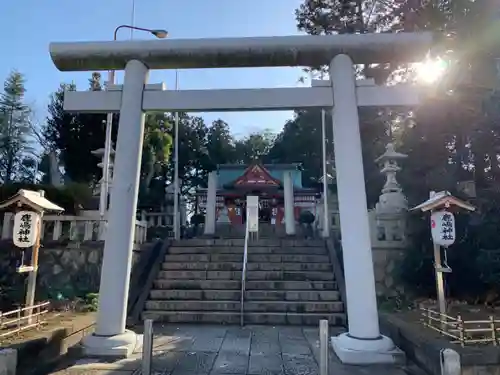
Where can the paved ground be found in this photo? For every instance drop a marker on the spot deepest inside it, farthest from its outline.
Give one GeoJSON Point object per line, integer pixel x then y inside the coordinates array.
{"type": "Point", "coordinates": [219, 350]}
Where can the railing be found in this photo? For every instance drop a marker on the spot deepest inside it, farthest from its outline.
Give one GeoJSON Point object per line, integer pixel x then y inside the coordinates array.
{"type": "Point", "coordinates": [16, 321]}
{"type": "Point", "coordinates": [462, 331]}
{"type": "Point", "coordinates": [73, 228]}
{"type": "Point", "coordinates": [243, 277]}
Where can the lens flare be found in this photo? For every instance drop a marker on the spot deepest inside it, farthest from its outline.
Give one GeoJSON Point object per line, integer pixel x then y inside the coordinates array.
{"type": "Point", "coordinates": [430, 71]}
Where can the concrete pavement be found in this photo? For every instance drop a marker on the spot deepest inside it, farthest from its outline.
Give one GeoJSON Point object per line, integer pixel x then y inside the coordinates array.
{"type": "Point", "coordinates": [228, 350]}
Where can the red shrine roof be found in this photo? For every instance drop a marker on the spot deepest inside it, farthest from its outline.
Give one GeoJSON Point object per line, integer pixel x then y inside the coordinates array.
{"type": "Point", "coordinates": [256, 176]}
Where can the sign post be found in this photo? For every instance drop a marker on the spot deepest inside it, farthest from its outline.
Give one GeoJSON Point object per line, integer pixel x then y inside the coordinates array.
{"type": "Point", "coordinates": [443, 234]}
{"type": "Point", "coordinates": [253, 214]}
{"type": "Point", "coordinates": [30, 206]}
{"type": "Point", "coordinates": [442, 222]}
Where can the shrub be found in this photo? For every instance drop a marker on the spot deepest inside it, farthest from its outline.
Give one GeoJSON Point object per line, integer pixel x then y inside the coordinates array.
{"type": "Point", "coordinates": [197, 219]}
{"type": "Point", "coordinates": [306, 217]}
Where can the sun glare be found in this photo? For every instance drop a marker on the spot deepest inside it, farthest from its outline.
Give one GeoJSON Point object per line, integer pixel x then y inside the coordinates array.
{"type": "Point", "coordinates": [430, 71]}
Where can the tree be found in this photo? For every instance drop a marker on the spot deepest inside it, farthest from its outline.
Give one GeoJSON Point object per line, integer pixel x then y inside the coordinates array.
{"type": "Point", "coordinates": [16, 149]}
{"type": "Point", "coordinates": [75, 136]}
{"type": "Point", "coordinates": [255, 146]}
{"type": "Point", "coordinates": [155, 157]}
{"type": "Point", "coordinates": [452, 137]}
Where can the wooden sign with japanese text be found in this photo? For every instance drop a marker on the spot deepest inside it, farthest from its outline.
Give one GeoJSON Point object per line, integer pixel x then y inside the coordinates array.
{"type": "Point", "coordinates": [25, 228]}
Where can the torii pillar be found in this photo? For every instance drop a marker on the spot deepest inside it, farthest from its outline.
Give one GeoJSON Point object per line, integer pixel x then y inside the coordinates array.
{"type": "Point", "coordinates": [363, 343]}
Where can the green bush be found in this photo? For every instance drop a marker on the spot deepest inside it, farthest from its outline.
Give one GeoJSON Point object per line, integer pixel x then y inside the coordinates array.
{"type": "Point", "coordinates": [306, 217]}
{"type": "Point", "coordinates": [158, 232]}
{"type": "Point", "coordinates": [91, 302]}
{"type": "Point", "coordinates": [197, 219]}
{"type": "Point", "coordinates": [71, 197]}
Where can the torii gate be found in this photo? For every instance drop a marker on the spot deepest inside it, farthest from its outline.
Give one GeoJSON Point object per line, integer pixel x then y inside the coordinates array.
{"type": "Point", "coordinates": [363, 343]}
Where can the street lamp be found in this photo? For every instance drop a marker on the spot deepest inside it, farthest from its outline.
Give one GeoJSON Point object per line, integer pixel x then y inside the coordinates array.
{"type": "Point", "coordinates": [103, 199]}
{"type": "Point", "coordinates": [326, 221]}
{"type": "Point", "coordinates": [177, 218]}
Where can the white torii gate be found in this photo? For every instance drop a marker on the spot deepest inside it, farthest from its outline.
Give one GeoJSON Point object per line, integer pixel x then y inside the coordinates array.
{"type": "Point", "coordinates": [363, 343]}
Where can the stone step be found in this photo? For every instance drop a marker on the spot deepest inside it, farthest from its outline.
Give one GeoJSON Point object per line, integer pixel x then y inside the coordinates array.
{"type": "Point", "coordinates": [233, 266]}
{"type": "Point", "coordinates": [182, 294]}
{"type": "Point", "coordinates": [226, 266]}
{"type": "Point", "coordinates": [202, 242]}
{"type": "Point", "coordinates": [253, 250]}
{"type": "Point", "coordinates": [290, 275]}
{"type": "Point", "coordinates": [289, 267]}
{"type": "Point", "coordinates": [294, 306]}
{"type": "Point", "coordinates": [252, 258]}
{"type": "Point", "coordinates": [188, 305]}
{"type": "Point", "coordinates": [200, 275]}
{"type": "Point", "coordinates": [250, 295]}
{"type": "Point", "coordinates": [251, 275]}
{"type": "Point", "coordinates": [288, 258]}
{"type": "Point", "coordinates": [231, 317]}
{"type": "Point", "coordinates": [291, 295]}
{"type": "Point", "coordinates": [197, 284]}
{"type": "Point", "coordinates": [290, 285]}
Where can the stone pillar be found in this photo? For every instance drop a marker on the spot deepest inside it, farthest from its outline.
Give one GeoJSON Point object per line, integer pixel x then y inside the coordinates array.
{"type": "Point", "coordinates": [110, 337]}
{"type": "Point", "coordinates": [289, 204]}
{"type": "Point", "coordinates": [363, 343]}
{"type": "Point", "coordinates": [211, 204]}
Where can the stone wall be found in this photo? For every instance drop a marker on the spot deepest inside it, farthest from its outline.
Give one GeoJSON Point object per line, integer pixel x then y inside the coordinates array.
{"type": "Point", "coordinates": [65, 270]}
{"type": "Point", "coordinates": [385, 261]}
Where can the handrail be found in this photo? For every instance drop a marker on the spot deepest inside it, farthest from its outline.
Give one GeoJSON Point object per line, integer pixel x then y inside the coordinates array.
{"type": "Point", "coordinates": [243, 277]}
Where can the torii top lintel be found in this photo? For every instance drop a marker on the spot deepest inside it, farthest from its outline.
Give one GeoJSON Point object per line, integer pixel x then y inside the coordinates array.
{"type": "Point", "coordinates": [298, 50]}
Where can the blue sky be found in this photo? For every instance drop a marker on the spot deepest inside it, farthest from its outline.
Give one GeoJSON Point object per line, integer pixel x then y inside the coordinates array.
{"type": "Point", "coordinates": [28, 26]}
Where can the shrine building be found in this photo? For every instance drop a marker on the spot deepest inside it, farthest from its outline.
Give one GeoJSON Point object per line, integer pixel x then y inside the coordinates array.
{"type": "Point", "coordinates": [236, 181]}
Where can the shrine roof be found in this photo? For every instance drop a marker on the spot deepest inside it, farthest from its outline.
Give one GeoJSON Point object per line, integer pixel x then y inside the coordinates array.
{"type": "Point", "coordinates": [255, 176]}
{"type": "Point", "coordinates": [289, 166]}
{"type": "Point", "coordinates": [223, 191]}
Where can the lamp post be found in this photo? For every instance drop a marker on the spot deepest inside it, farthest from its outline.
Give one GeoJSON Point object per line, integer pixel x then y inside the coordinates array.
{"type": "Point", "coordinates": [103, 198]}
{"type": "Point", "coordinates": [326, 224]}
{"type": "Point", "coordinates": [176, 167]}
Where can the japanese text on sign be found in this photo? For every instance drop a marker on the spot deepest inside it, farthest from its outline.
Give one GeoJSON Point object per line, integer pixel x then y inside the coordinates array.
{"type": "Point", "coordinates": [443, 228]}
{"type": "Point", "coordinates": [25, 228]}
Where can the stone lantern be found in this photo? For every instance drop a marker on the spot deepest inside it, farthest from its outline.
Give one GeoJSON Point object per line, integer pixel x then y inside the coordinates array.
{"type": "Point", "coordinates": [392, 199]}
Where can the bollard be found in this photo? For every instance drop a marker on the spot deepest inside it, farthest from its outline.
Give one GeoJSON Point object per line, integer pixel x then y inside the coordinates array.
{"type": "Point", "coordinates": [323, 347]}
{"type": "Point", "coordinates": [147, 347]}
{"type": "Point", "coordinates": [450, 362]}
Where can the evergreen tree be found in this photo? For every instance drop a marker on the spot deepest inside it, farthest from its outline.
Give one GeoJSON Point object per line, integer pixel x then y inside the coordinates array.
{"type": "Point", "coordinates": [16, 152]}
{"type": "Point", "coordinates": [75, 136]}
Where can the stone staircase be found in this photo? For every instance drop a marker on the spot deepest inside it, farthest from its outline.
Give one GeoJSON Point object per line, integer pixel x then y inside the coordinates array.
{"type": "Point", "coordinates": [288, 282]}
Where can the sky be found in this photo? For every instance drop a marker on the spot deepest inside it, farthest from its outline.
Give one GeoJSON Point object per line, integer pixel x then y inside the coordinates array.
{"type": "Point", "coordinates": [28, 26]}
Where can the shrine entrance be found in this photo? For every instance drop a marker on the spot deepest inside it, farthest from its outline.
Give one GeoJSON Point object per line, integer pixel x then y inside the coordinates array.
{"type": "Point", "coordinates": [234, 182]}
{"type": "Point", "coordinates": [363, 343]}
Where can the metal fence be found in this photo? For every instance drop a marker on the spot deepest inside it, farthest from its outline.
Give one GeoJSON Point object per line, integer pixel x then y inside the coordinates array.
{"type": "Point", "coordinates": [462, 331]}
{"type": "Point", "coordinates": [24, 318]}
